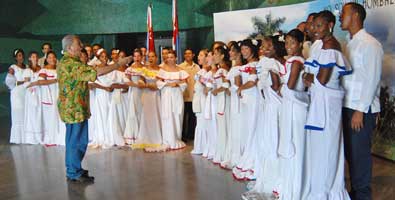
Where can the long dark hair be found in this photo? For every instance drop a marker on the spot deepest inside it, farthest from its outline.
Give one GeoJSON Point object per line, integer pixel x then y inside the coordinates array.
{"type": "Point", "coordinates": [236, 46]}
{"type": "Point", "coordinates": [279, 46]}
{"type": "Point", "coordinates": [223, 50]}
{"type": "Point", "coordinates": [30, 55]}
{"type": "Point", "coordinates": [15, 53]}
{"type": "Point", "coordinates": [46, 57]}
{"type": "Point", "coordinates": [254, 47]}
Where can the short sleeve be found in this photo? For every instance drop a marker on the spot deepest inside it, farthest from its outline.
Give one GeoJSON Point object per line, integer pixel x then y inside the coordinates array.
{"type": "Point", "coordinates": [28, 73]}
{"type": "Point", "coordinates": [183, 75]}
{"type": "Point", "coordinates": [162, 74]}
{"type": "Point", "coordinates": [85, 73]}
{"type": "Point", "coordinates": [329, 58]}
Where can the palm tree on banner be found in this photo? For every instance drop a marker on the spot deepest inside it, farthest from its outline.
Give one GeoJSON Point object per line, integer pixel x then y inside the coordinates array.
{"type": "Point", "coordinates": [265, 27]}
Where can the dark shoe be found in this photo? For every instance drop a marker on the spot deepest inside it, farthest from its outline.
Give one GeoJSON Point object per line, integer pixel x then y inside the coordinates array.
{"type": "Point", "coordinates": [85, 172]}
{"type": "Point", "coordinates": [82, 179]}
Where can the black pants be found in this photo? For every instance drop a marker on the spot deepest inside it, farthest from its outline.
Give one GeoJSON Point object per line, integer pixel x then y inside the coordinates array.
{"type": "Point", "coordinates": [189, 122]}
{"type": "Point", "coordinates": [358, 154]}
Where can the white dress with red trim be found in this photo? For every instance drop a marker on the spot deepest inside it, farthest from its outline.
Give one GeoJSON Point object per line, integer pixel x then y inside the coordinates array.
{"type": "Point", "coordinates": [33, 110]}
{"type": "Point", "coordinates": [54, 128]}
{"type": "Point", "coordinates": [198, 106]}
{"type": "Point", "coordinates": [233, 148]}
{"type": "Point", "coordinates": [324, 161]}
{"type": "Point", "coordinates": [150, 133]}
{"type": "Point", "coordinates": [249, 115]}
{"type": "Point", "coordinates": [280, 115]}
{"type": "Point", "coordinates": [222, 113]}
{"type": "Point", "coordinates": [209, 114]}
{"type": "Point", "coordinates": [17, 98]}
{"type": "Point", "coordinates": [102, 105]}
{"type": "Point", "coordinates": [292, 135]}
{"type": "Point", "coordinates": [134, 107]}
{"type": "Point", "coordinates": [172, 107]}
{"type": "Point", "coordinates": [116, 117]}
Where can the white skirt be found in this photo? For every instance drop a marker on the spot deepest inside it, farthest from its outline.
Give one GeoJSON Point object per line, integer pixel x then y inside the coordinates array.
{"type": "Point", "coordinates": [33, 117]}
{"type": "Point", "coordinates": [133, 115]}
{"type": "Point", "coordinates": [17, 114]}
{"type": "Point", "coordinates": [150, 133]}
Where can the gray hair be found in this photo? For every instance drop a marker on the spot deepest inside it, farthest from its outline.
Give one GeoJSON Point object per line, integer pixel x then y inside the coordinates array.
{"type": "Point", "coordinates": [67, 41]}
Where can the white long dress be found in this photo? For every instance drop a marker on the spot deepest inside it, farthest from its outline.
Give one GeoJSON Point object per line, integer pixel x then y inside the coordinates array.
{"type": "Point", "coordinates": [292, 134]}
{"type": "Point", "coordinates": [198, 106]}
{"type": "Point", "coordinates": [222, 112]}
{"type": "Point", "coordinates": [102, 105]}
{"type": "Point", "coordinates": [210, 113]}
{"type": "Point", "coordinates": [281, 160]}
{"type": "Point", "coordinates": [324, 161]}
{"type": "Point", "coordinates": [33, 110]}
{"type": "Point", "coordinates": [150, 133]}
{"type": "Point", "coordinates": [134, 107]}
{"type": "Point", "coordinates": [172, 107]}
{"type": "Point", "coordinates": [249, 115]}
{"type": "Point", "coordinates": [116, 113]}
{"type": "Point", "coordinates": [233, 148]}
{"type": "Point", "coordinates": [17, 104]}
{"type": "Point", "coordinates": [92, 121]}
{"type": "Point", "coordinates": [54, 128]}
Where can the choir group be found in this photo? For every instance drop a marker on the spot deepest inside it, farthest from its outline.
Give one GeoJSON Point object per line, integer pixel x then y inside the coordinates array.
{"type": "Point", "coordinates": [269, 110]}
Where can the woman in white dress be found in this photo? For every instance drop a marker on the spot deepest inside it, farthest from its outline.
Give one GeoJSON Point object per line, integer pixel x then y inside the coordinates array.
{"type": "Point", "coordinates": [210, 109]}
{"type": "Point", "coordinates": [171, 82]}
{"type": "Point", "coordinates": [150, 134]}
{"type": "Point", "coordinates": [134, 73]}
{"type": "Point", "coordinates": [233, 148]}
{"type": "Point", "coordinates": [293, 114]}
{"type": "Point", "coordinates": [117, 109]}
{"type": "Point", "coordinates": [272, 169]}
{"type": "Point", "coordinates": [54, 128]}
{"type": "Point", "coordinates": [324, 161]}
{"type": "Point", "coordinates": [103, 89]}
{"type": "Point", "coordinates": [14, 81]}
{"type": "Point", "coordinates": [33, 109]}
{"type": "Point", "coordinates": [248, 94]}
{"type": "Point", "coordinates": [198, 104]}
{"type": "Point", "coordinates": [92, 93]}
{"type": "Point", "coordinates": [221, 94]}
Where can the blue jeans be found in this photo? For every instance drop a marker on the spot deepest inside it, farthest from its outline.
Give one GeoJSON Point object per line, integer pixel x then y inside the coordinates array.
{"type": "Point", "coordinates": [76, 145]}
{"type": "Point", "coordinates": [358, 153]}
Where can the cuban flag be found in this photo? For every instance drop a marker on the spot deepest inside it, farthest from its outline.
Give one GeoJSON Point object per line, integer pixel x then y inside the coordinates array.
{"type": "Point", "coordinates": [150, 31]}
{"type": "Point", "coordinates": [176, 37]}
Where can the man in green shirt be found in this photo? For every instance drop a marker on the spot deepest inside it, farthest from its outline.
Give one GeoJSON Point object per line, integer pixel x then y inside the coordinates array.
{"type": "Point", "coordinates": [73, 104]}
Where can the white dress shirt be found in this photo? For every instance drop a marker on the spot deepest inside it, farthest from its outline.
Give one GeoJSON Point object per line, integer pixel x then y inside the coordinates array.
{"type": "Point", "coordinates": [363, 86]}
{"type": "Point", "coordinates": [192, 70]}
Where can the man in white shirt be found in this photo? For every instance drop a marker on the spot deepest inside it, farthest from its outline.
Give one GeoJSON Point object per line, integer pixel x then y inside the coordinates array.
{"type": "Point", "coordinates": [144, 56]}
{"type": "Point", "coordinates": [361, 103]}
{"type": "Point", "coordinates": [95, 61]}
{"type": "Point", "coordinates": [45, 48]}
{"type": "Point", "coordinates": [165, 51]}
{"type": "Point", "coordinates": [189, 122]}
{"type": "Point", "coordinates": [89, 51]}
{"type": "Point", "coordinates": [309, 35]}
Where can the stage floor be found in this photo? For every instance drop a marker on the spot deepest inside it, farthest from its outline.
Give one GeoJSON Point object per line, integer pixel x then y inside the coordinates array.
{"type": "Point", "coordinates": [37, 172]}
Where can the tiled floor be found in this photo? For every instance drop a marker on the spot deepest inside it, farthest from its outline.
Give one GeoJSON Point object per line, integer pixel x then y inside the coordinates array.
{"type": "Point", "coordinates": [36, 172]}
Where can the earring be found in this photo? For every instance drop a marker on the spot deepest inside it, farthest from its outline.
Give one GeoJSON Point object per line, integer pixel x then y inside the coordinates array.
{"type": "Point", "coordinates": [330, 30]}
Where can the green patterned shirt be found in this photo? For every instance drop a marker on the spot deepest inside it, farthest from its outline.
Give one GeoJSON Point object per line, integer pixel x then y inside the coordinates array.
{"type": "Point", "coordinates": [73, 77]}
